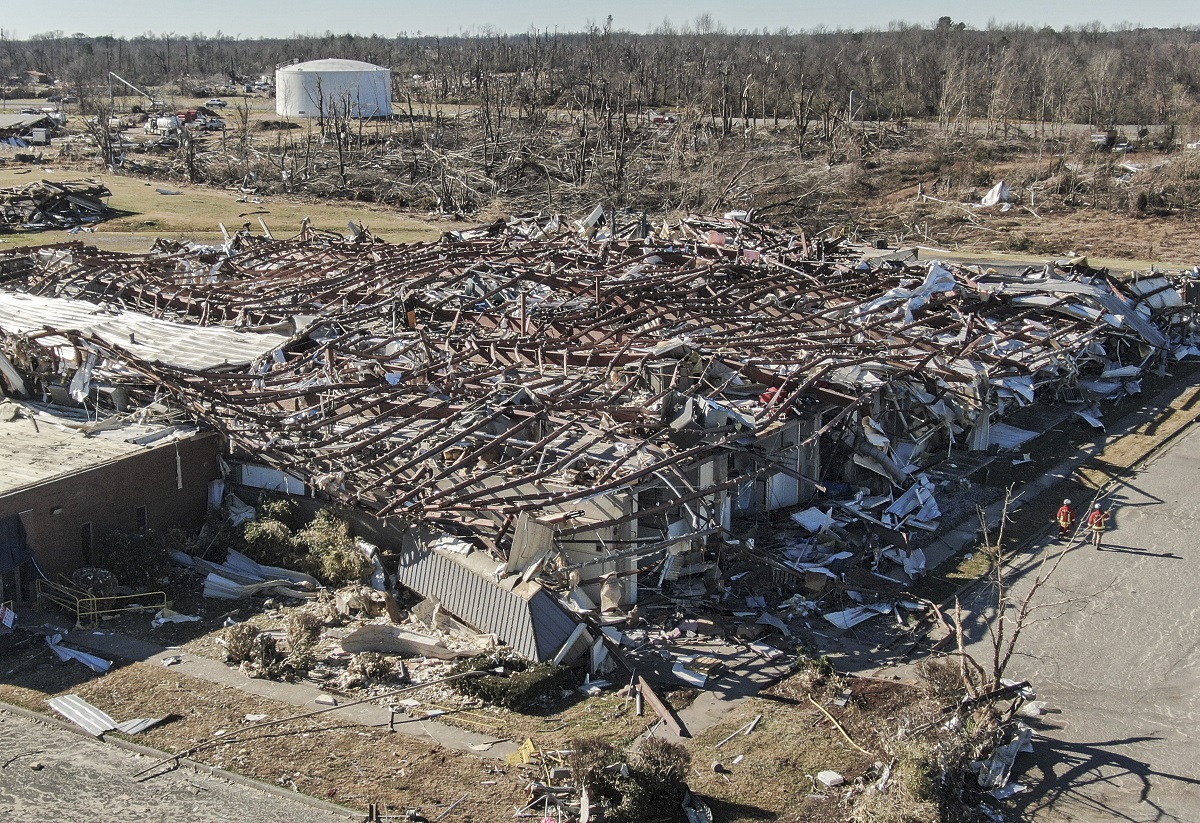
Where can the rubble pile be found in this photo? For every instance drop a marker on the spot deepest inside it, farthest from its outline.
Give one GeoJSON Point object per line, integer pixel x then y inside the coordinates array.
{"type": "Point", "coordinates": [49, 205]}
{"type": "Point", "coordinates": [547, 406]}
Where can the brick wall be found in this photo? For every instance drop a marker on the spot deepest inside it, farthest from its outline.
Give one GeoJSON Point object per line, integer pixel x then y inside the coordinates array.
{"type": "Point", "coordinates": [109, 496]}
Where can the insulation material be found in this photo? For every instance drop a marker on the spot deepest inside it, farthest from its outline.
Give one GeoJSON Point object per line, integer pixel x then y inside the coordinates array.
{"type": "Point", "coordinates": [849, 618]}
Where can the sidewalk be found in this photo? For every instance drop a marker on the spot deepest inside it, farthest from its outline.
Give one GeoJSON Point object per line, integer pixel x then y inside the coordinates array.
{"type": "Point", "coordinates": [301, 695]}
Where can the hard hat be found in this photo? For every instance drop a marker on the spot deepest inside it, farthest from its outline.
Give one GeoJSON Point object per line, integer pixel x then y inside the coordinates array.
{"type": "Point", "coordinates": [1096, 506]}
{"type": "Point", "coordinates": [1067, 502]}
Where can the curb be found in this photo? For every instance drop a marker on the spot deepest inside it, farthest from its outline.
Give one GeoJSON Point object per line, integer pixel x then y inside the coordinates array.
{"type": "Point", "coordinates": [203, 768]}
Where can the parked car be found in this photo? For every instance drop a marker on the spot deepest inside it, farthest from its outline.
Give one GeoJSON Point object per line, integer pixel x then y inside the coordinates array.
{"type": "Point", "coordinates": [216, 103]}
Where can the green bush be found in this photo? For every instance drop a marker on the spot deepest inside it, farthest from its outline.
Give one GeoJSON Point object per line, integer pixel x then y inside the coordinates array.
{"type": "Point", "coordinates": [282, 509]}
{"type": "Point", "coordinates": [341, 566]}
{"type": "Point", "coordinates": [522, 684]}
{"type": "Point", "coordinates": [335, 557]}
{"type": "Point", "coordinates": [326, 548]}
{"type": "Point", "coordinates": [271, 543]}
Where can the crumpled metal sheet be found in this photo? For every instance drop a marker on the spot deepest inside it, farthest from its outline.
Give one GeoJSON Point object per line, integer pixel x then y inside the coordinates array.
{"type": "Point", "coordinates": [96, 722]}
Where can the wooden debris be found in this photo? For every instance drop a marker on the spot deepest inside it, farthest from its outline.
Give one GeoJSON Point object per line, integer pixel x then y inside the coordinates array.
{"type": "Point", "coordinates": [49, 205]}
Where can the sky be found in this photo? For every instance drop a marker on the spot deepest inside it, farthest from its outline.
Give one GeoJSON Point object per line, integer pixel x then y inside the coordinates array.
{"type": "Point", "coordinates": [250, 19]}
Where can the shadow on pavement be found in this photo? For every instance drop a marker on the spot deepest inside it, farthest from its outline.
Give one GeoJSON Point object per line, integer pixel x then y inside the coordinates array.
{"type": "Point", "coordinates": [1067, 775]}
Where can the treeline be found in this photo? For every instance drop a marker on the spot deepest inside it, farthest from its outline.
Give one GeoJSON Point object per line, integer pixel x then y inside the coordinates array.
{"type": "Point", "coordinates": [1086, 75]}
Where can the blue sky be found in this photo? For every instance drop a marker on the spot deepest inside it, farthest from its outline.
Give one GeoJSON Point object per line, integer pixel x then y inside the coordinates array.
{"type": "Point", "coordinates": [388, 17]}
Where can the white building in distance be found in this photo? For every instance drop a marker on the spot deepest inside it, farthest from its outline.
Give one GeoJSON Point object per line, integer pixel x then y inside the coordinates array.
{"type": "Point", "coordinates": [333, 88]}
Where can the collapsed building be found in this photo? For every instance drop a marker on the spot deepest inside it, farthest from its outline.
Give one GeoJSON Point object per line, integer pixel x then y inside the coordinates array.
{"type": "Point", "coordinates": [537, 421]}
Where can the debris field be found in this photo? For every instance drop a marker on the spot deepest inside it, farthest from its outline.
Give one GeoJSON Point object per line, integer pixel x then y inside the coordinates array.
{"type": "Point", "coordinates": [569, 415]}
{"type": "Point", "coordinates": [46, 204]}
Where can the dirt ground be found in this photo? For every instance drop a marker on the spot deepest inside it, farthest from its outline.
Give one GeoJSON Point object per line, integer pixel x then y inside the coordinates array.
{"type": "Point", "coordinates": [349, 764]}
{"type": "Point", "coordinates": [763, 775]}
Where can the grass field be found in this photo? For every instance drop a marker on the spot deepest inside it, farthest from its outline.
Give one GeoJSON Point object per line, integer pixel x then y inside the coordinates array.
{"type": "Point", "coordinates": [195, 213]}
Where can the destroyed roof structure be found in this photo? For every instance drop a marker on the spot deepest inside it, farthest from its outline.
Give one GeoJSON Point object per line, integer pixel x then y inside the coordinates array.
{"type": "Point", "coordinates": [45, 204]}
{"type": "Point", "coordinates": [580, 408]}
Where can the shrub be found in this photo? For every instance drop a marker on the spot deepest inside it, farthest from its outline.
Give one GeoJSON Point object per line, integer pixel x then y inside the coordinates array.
{"type": "Point", "coordinates": [649, 789]}
{"type": "Point", "coordinates": [240, 643]}
{"type": "Point", "coordinates": [271, 543]}
{"type": "Point", "coordinates": [303, 629]}
{"type": "Point", "coordinates": [342, 566]}
{"type": "Point", "coordinates": [293, 666]}
{"type": "Point", "coordinates": [941, 676]}
{"type": "Point", "coordinates": [138, 559]}
{"type": "Point", "coordinates": [282, 509]}
{"type": "Point", "coordinates": [371, 664]}
{"type": "Point", "coordinates": [332, 553]}
{"type": "Point", "coordinates": [663, 761]}
{"type": "Point", "coordinates": [588, 760]}
{"type": "Point", "coordinates": [326, 548]}
{"type": "Point", "coordinates": [523, 684]}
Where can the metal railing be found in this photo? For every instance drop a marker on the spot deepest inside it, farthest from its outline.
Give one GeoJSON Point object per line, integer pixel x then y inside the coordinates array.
{"type": "Point", "coordinates": [88, 608]}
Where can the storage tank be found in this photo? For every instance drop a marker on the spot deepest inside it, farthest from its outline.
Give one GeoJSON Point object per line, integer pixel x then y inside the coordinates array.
{"type": "Point", "coordinates": [329, 88]}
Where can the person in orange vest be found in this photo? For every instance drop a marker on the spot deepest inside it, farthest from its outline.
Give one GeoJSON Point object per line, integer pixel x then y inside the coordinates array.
{"type": "Point", "coordinates": [1096, 522]}
{"type": "Point", "coordinates": [1066, 520]}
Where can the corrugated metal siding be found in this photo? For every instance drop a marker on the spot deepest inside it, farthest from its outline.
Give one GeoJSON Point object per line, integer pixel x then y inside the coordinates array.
{"type": "Point", "coordinates": [535, 628]}
{"type": "Point", "coordinates": [192, 347]}
{"type": "Point", "coordinates": [552, 625]}
{"type": "Point", "coordinates": [79, 711]}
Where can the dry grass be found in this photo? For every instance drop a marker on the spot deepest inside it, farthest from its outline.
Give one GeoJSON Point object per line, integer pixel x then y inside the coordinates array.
{"type": "Point", "coordinates": [196, 213]}
{"type": "Point", "coordinates": [320, 756]}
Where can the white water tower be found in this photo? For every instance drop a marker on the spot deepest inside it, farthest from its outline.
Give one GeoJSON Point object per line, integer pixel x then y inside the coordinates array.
{"type": "Point", "coordinates": [333, 88]}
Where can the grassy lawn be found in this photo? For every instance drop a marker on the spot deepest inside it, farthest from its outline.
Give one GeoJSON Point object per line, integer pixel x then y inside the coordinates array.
{"type": "Point", "coordinates": [195, 213]}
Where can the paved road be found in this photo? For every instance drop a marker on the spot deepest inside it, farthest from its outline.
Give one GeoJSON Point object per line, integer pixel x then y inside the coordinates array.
{"type": "Point", "coordinates": [1120, 661]}
{"type": "Point", "coordinates": [84, 780]}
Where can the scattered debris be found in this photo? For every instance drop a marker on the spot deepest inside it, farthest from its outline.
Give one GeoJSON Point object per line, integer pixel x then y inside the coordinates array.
{"type": "Point", "coordinates": [744, 730]}
{"type": "Point", "coordinates": [375, 637]}
{"type": "Point", "coordinates": [240, 577]}
{"type": "Point", "coordinates": [557, 419]}
{"type": "Point", "coordinates": [49, 205]}
{"type": "Point", "coordinates": [830, 779]}
{"type": "Point", "coordinates": [96, 722]}
{"type": "Point", "coordinates": [993, 772]}
{"type": "Point", "coordinates": [96, 664]}
{"type": "Point", "coordinates": [165, 616]}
